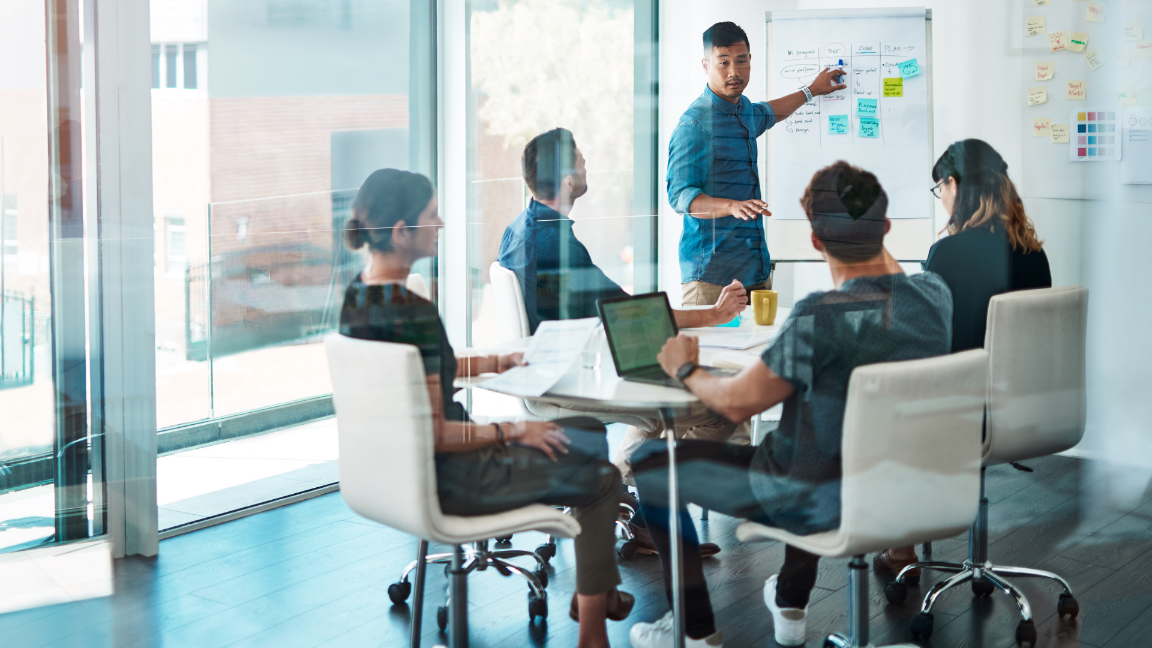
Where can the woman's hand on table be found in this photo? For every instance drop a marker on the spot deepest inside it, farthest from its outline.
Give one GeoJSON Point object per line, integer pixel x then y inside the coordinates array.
{"type": "Point", "coordinates": [546, 437]}
{"type": "Point", "coordinates": [510, 360]}
{"type": "Point", "coordinates": [733, 299]}
{"type": "Point", "coordinates": [678, 350]}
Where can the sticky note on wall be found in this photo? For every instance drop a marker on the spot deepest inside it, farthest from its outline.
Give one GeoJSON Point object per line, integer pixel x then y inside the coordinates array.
{"type": "Point", "coordinates": [1133, 30]}
{"type": "Point", "coordinates": [865, 107]}
{"type": "Point", "coordinates": [1058, 41]}
{"type": "Point", "coordinates": [1078, 41]}
{"type": "Point", "coordinates": [1042, 127]}
{"type": "Point", "coordinates": [1045, 70]}
{"type": "Point", "coordinates": [1095, 11]}
{"type": "Point", "coordinates": [1144, 48]}
{"type": "Point", "coordinates": [1123, 59]}
{"type": "Point", "coordinates": [1037, 95]}
{"type": "Point", "coordinates": [869, 127]}
{"type": "Point", "coordinates": [837, 124]}
{"type": "Point", "coordinates": [1077, 90]}
{"type": "Point", "coordinates": [1095, 58]}
{"type": "Point", "coordinates": [1041, 3]}
{"type": "Point", "coordinates": [1034, 26]}
{"type": "Point", "coordinates": [1126, 96]}
{"type": "Point", "coordinates": [909, 68]}
{"type": "Point", "coordinates": [1060, 133]}
{"type": "Point", "coordinates": [894, 87]}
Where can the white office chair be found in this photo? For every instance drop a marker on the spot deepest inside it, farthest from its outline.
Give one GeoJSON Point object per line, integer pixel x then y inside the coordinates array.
{"type": "Point", "coordinates": [511, 315]}
{"type": "Point", "coordinates": [388, 474]}
{"type": "Point", "coordinates": [911, 449]}
{"type": "Point", "coordinates": [416, 284]}
{"type": "Point", "coordinates": [1036, 407]}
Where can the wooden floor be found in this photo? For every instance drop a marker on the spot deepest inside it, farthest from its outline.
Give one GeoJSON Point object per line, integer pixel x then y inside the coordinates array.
{"type": "Point", "coordinates": [314, 574]}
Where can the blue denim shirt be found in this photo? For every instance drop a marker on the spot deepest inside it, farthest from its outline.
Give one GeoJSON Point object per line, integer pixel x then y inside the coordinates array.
{"type": "Point", "coordinates": [713, 152]}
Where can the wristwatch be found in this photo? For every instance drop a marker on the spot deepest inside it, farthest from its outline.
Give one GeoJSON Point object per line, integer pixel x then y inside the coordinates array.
{"type": "Point", "coordinates": [806, 91]}
{"type": "Point", "coordinates": [686, 370]}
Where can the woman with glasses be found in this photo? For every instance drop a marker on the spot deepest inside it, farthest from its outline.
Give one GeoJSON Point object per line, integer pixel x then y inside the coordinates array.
{"type": "Point", "coordinates": [991, 248]}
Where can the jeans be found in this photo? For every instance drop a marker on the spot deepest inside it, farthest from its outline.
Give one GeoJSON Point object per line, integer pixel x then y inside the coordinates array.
{"type": "Point", "coordinates": [715, 476]}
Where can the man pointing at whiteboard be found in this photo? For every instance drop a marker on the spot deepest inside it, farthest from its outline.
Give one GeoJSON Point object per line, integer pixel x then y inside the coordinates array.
{"type": "Point", "coordinates": [712, 175]}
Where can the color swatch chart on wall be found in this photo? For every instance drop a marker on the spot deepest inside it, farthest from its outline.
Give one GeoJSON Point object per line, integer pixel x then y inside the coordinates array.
{"type": "Point", "coordinates": [1096, 136]}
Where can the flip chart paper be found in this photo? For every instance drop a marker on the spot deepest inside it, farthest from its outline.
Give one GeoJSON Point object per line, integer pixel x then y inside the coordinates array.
{"type": "Point", "coordinates": [1133, 30]}
{"type": "Point", "coordinates": [1058, 41]}
{"type": "Point", "coordinates": [1095, 58]}
{"type": "Point", "coordinates": [865, 107]}
{"type": "Point", "coordinates": [837, 124]}
{"type": "Point", "coordinates": [1035, 26]}
{"type": "Point", "coordinates": [869, 127]}
{"type": "Point", "coordinates": [1045, 70]}
{"type": "Point", "coordinates": [1095, 12]}
{"type": "Point", "coordinates": [1077, 90]}
{"type": "Point", "coordinates": [1078, 41]}
{"type": "Point", "coordinates": [1144, 48]}
{"type": "Point", "coordinates": [1060, 133]}
{"type": "Point", "coordinates": [1126, 96]}
{"type": "Point", "coordinates": [909, 68]}
{"type": "Point", "coordinates": [1037, 95]}
{"type": "Point", "coordinates": [1042, 127]}
{"type": "Point", "coordinates": [894, 87]}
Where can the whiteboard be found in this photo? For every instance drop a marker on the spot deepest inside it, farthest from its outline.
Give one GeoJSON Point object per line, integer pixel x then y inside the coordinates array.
{"type": "Point", "coordinates": [872, 43]}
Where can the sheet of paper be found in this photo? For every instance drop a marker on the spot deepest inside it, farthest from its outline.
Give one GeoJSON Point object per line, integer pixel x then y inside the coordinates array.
{"type": "Point", "coordinates": [1037, 95]}
{"type": "Point", "coordinates": [1126, 96]}
{"type": "Point", "coordinates": [1058, 41]}
{"type": "Point", "coordinates": [1045, 70]}
{"type": "Point", "coordinates": [1144, 48]}
{"type": "Point", "coordinates": [1034, 26]}
{"type": "Point", "coordinates": [894, 87]}
{"type": "Point", "coordinates": [733, 360]}
{"type": "Point", "coordinates": [1095, 12]}
{"type": "Point", "coordinates": [865, 107]}
{"type": "Point", "coordinates": [869, 127]}
{"type": "Point", "coordinates": [909, 68]}
{"type": "Point", "coordinates": [1042, 127]}
{"type": "Point", "coordinates": [1077, 90]}
{"type": "Point", "coordinates": [553, 350]}
{"type": "Point", "coordinates": [837, 124]}
{"type": "Point", "coordinates": [1095, 58]}
{"type": "Point", "coordinates": [1133, 30]}
{"type": "Point", "coordinates": [738, 339]}
{"type": "Point", "coordinates": [1136, 165]}
{"type": "Point", "coordinates": [1078, 41]}
{"type": "Point", "coordinates": [1122, 58]}
{"type": "Point", "coordinates": [1060, 133]}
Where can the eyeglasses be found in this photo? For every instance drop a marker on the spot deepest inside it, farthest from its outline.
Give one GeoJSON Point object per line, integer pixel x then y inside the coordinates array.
{"type": "Point", "coordinates": [936, 190]}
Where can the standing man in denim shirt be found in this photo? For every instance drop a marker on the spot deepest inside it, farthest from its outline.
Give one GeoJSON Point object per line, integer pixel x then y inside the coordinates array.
{"type": "Point", "coordinates": [712, 176]}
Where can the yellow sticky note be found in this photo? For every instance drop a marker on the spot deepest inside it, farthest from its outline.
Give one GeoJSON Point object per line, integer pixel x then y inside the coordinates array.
{"type": "Point", "coordinates": [894, 87]}
{"type": "Point", "coordinates": [1041, 3]}
{"type": "Point", "coordinates": [1126, 96]}
{"type": "Point", "coordinates": [1045, 70]}
{"type": "Point", "coordinates": [1095, 58]}
{"type": "Point", "coordinates": [1042, 127]}
{"type": "Point", "coordinates": [1133, 30]}
{"type": "Point", "coordinates": [1037, 95]}
{"type": "Point", "coordinates": [1035, 26]}
{"type": "Point", "coordinates": [1144, 48]}
{"type": "Point", "coordinates": [1077, 90]}
{"type": "Point", "coordinates": [1123, 59]}
{"type": "Point", "coordinates": [1058, 41]}
{"type": "Point", "coordinates": [1096, 11]}
{"type": "Point", "coordinates": [1060, 133]}
{"type": "Point", "coordinates": [1078, 41]}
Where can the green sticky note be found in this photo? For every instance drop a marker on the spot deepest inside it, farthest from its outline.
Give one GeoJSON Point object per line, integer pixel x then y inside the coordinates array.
{"type": "Point", "coordinates": [909, 68]}
{"type": "Point", "coordinates": [865, 107]}
{"type": "Point", "coordinates": [837, 124]}
{"type": "Point", "coordinates": [894, 87]}
{"type": "Point", "coordinates": [869, 127]}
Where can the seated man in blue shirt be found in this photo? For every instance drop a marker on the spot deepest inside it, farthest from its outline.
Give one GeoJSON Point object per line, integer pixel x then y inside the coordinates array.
{"type": "Point", "coordinates": [792, 479]}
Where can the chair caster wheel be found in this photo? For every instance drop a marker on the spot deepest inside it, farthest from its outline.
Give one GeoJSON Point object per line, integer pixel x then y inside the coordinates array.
{"type": "Point", "coordinates": [546, 551]}
{"type": "Point", "coordinates": [542, 576]}
{"type": "Point", "coordinates": [896, 592]}
{"type": "Point", "coordinates": [922, 626]}
{"type": "Point", "coordinates": [1067, 607]}
{"type": "Point", "coordinates": [504, 541]}
{"type": "Point", "coordinates": [537, 607]}
{"type": "Point", "coordinates": [625, 548]}
{"type": "Point", "coordinates": [1026, 633]}
{"type": "Point", "coordinates": [982, 587]}
{"type": "Point", "coordinates": [399, 592]}
{"type": "Point", "coordinates": [442, 617]}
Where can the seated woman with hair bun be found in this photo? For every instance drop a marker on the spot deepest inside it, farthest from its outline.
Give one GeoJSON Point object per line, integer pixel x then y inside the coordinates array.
{"type": "Point", "coordinates": [482, 469]}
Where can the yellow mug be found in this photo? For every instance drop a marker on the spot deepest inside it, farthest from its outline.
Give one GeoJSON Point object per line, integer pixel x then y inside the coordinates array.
{"type": "Point", "coordinates": [764, 306]}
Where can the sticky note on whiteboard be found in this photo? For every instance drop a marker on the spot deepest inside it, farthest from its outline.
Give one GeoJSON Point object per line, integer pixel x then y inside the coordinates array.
{"type": "Point", "coordinates": [869, 127]}
{"type": "Point", "coordinates": [909, 68]}
{"type": "Point", "coordinates": [1095, 58]}
{"type": "Point", "coordinates": [1041, 3]}
{"type": "Point", "coordinates": [1058, 41]}
{"type": "Point", "coordinates": [1037, 95]}
{"type": "Point", "coordinates": [837, 124]}
{"type": "Point", "coordinates": [1078, 41]}
{"type": "Point", "coordinates": [1042, 127]}
{"type": "Point", "coordinates": [1034, 26]}
{"type": "Point", "coordinates": [1060, 133]}
{"type": "Point", "coordinates": [1095, 12]}
{"type": "Point", "coordinates": [1133, 30]}
{"type": "Point", "coordinates": [894, 87]}
{"type": "Point", "coordinates": [865, 107]}
{"type": "Point", "coordinates": [1045, 70]}
{"type": "Point", "coordinates": [1144, 48]}
{"type": "Point", "coordinates": [1126, 96]}
{"type": "Point", "coordinates": [1076, 90]}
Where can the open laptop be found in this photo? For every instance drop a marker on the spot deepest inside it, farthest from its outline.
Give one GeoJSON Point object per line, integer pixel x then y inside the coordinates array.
{"type": "Point", "coordinates": [637, 328]}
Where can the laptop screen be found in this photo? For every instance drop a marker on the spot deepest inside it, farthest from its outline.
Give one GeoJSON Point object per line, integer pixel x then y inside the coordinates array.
{"type": "Point", "coordinates": [637, 329]}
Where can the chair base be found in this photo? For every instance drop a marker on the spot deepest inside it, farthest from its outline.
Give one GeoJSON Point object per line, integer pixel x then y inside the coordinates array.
{"type": "Point", "coordinates": [858, 631]}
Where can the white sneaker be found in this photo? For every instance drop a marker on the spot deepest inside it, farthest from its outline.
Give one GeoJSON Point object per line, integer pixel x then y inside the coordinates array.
{"type": "Point", "coordinates": [789, 622]}
{"type": "Point", "coordinates": [659, 635]}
